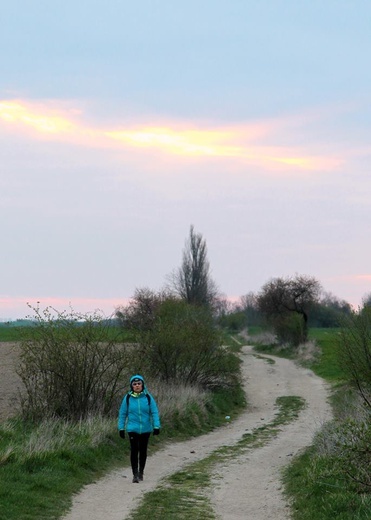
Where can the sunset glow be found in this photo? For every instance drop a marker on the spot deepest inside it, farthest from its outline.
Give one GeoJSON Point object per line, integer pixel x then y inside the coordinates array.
{"type": "Point", "coordinates": [14, 112]}
{"type": "Point", "coordinates": [124, 125]}
{"type": "Point", "coordinates": [240, 142]}
{"type": "Point", "coordinates": [178, 142]}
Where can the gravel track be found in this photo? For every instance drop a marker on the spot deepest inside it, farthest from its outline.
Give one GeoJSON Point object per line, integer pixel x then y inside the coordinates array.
{"type": "Point", "coordinates": [248, 487]}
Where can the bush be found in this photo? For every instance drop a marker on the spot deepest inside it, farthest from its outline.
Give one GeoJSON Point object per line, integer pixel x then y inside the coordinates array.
{"type": "Point", "coordinates": [182, 344]}
{"type": "Point", "coordinates": [355, 351]}
{"type": "Point", "coordinates": [72, 365]}
{"type": "Point", "coordinates": [348, 445]}
{"type": "Point", "coordinates": [289, 329]}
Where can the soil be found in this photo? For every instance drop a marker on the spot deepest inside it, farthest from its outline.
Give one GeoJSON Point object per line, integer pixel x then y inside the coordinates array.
{"type": "Point", "coordinates": [248, 487]}
{"type": "Point", "coordinates": [10, 383]}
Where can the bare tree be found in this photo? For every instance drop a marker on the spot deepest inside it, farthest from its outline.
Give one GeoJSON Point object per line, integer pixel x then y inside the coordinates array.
{"type": "Point", "coordinates": [72, 365]}
{"type": "Point", "coordinates": [192, 281]}
{"type": "Point", "coordinates": [249, 306]}
{"type": "Point", "coordinates": [282, 297]}
{"type": "Point", "coordinates": [140, 313]}
{"type": "Point", "coordinates": [366, 300]}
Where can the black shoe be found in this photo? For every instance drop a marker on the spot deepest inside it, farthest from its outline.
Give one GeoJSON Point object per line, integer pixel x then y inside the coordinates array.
{"type": "Point", "coordinates": [135, 479]}
{"type": "Point", "coordinates": [140, 476]}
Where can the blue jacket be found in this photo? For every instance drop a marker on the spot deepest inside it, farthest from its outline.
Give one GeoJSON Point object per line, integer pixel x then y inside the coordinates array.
{"type": "Point", "coordinates": [138, 414]}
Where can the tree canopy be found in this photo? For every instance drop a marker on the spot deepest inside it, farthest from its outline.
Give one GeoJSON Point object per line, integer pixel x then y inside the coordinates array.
{"type": "Point", "coordinates": [282, 300]}
{"type": "Point", "coordinates": [192, 280]}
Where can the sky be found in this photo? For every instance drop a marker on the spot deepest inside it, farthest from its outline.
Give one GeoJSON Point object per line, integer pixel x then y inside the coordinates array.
{"type": "Point", "coordinates": [124, 123]}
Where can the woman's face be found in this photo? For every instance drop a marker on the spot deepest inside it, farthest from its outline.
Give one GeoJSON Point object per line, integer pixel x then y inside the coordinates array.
{"type": "Point", "coordinates": [137, 386]}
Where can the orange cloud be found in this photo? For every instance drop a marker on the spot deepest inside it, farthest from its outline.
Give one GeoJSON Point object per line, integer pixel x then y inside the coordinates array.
{"type": "Point", "coordinates": [238, 142]}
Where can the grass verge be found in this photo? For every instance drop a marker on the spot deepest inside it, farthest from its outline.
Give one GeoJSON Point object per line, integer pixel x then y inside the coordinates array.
{"type": "Point", "coordinates": [317, 490]}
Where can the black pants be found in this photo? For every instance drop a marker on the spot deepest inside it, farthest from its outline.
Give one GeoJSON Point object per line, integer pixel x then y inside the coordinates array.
{"type": "Point", "coordinates": [138, 453]}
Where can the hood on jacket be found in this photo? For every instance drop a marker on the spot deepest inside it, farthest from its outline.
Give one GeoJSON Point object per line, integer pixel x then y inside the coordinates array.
{"type": "Point", "coordinates": [137, 377]}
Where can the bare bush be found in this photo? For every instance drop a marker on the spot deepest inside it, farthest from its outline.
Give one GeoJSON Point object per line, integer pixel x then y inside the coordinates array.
{"type": "Point", "coordinates": [348, 444]}
{"type": "Point", "coordinates": [355, 351]}
{"type": "Point", "coordinates": [72, 365]}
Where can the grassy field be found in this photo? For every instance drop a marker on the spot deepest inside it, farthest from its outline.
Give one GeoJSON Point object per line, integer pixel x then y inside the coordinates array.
{"type": "Point", "coordinates": [327, 366]}
{"type": "Point", "coordinates": [10, 332]}
{"type": "Point", "coordinates": [14, 332]}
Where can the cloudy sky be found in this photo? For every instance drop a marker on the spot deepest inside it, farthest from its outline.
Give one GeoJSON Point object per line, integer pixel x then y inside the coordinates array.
{"type": "Point", "coordinates": [123, 123]}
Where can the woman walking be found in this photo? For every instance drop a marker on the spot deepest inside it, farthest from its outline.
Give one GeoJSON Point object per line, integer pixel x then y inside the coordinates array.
{"type": "Point", "coordinates": [139, 417]}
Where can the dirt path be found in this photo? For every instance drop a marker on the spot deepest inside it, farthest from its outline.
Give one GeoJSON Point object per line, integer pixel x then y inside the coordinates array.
{"type": "Point", "coordinates": [246, 488]}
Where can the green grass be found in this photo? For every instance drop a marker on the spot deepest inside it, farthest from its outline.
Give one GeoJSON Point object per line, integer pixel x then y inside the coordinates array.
{"type": "Point", "coordinates": [14, 332]}
{"type": "Point", "coordinates": [11, 332]}
{"type": "Point", "coordinates": [327, 366]}
{"type": "Point", "coordinates": [319, 492]}
{"type": "Point", "coordinates": [182, 495]}
{"type": "Point", "coordinates": [40, 467]}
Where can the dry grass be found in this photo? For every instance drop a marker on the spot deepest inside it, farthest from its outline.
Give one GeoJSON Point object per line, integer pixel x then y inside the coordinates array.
{"type": "Point", "coordinates": [176, 398]}
{"type": "Point", "coordinates": [54, 434]}
{"type": "Point", "coordinates": [308, 352]}
{"type": "Point", "coordinates": [263, 338]}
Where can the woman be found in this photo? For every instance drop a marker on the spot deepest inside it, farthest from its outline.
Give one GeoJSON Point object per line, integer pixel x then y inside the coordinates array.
{"type": "Point", "coordinates": [139, 417]}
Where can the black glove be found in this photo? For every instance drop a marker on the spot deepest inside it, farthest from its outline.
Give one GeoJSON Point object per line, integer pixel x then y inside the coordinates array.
{"type": "Point", "coordinates": [156, 431]}
{"type": "Point", "coordinates": [122, 434]}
